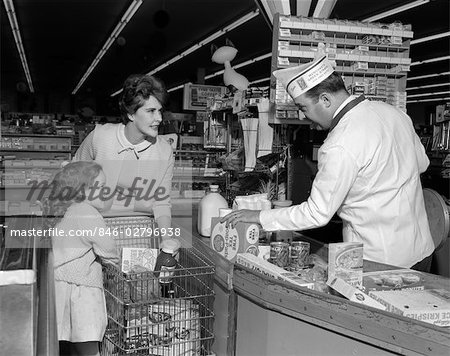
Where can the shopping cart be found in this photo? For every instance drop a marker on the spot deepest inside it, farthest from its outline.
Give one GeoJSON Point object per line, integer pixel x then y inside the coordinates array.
{"type": "Point", "coordinates": [140, 322]}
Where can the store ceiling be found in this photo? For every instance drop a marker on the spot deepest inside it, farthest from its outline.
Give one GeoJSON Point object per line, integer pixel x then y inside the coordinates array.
{"type": "Point", "coordinates": [61, 39]}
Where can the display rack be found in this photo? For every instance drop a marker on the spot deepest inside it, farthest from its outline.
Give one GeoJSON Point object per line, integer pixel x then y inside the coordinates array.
{"type": "Point", "coordinates": [195, 168]}
{"type": "Point", "coordinates": [26, 159]}
{"type": "Point", "coordinates": [373, 58]}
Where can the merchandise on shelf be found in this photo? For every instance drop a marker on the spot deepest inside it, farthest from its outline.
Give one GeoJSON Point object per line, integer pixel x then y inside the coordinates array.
{"type": "Point", "coordinates": [373, 58]}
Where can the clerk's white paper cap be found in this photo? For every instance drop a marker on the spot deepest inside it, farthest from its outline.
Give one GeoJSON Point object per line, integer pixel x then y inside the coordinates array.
{"type": "Point", "coordinates": [298, 80]}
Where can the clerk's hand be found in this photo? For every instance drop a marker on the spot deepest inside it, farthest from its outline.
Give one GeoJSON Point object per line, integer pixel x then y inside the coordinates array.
{"type": "Point", "coordinates": [248, 216]}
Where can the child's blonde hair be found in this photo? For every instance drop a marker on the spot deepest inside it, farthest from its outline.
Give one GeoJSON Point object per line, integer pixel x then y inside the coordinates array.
{"type": "Point", "coordinates": [68, 187]}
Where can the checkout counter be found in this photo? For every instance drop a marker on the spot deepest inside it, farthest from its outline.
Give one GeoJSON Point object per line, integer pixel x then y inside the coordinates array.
{"type": "Point", "coordinates": [258, 315]}
{"type": "Point", "coordinates": [254, 314]}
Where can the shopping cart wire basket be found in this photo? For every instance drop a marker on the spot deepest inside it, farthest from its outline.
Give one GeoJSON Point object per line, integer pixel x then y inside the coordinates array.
{"type": "Point", "coordinates": [140, 321]}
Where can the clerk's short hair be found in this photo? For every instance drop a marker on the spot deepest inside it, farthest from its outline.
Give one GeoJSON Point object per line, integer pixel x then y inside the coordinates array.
{"type": "Point", "coordinates": [332, 84]}
{"type": "Point", "coordinates": [137, 88]}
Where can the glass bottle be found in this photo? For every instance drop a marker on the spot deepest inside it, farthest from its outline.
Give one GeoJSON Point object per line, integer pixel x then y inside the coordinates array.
{"type": "Point", "coordinates": [166, 263]}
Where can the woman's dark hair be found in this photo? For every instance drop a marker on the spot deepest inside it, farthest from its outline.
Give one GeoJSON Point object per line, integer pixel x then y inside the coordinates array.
{"type": "Point", "coordinates": [68, 187]}
{"type": "Point", "coordinates": [332, 84]}
{"type": "Point", "coordinates": [136, 89]}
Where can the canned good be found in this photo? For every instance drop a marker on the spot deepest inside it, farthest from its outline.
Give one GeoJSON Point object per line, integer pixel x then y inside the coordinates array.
{"type": "Point", "coordinates": [299, 254]}
{"type": "Point", "coordinates": [279, 254]}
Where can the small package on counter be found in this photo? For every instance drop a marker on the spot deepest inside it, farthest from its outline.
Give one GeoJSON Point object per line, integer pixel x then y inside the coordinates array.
{"type": "Point", "coordinates": [399, 279]}
{"type": "Point", "coordinates": [353, 294]}
{"type": "Point", "coordinates": [266, 268]}
{"type": "Point", "coordinates": [431, 305]}
{"type": "Point", "coordinates": [345, 261]}
{"type": "Point", "coordinates": [229, 241]}
{"type": "Point", "coordinates": [252, 202]}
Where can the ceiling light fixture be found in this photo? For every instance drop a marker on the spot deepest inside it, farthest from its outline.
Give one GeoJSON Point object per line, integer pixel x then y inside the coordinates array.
{"type": "Point", "coordinates": [428, 76]}
{"type": "Point", "coordinates": [18, 39]}
{"type": "Point", "coordinates": [429, 86]}
{"type": "Point", "coordinates": [112, 37]}
{"type": "Point", "coordinates": [271, 7]}
{"type": "Point", "coordinates": [200, 44]}
{"type": "Point", "coordinates": [260, 80]}
{"type": "Point", "coordinates": [324, 8]}
{"type": "Point", "coordinates": [430, 38]}
{"type": "Point", "coordinates": [240, 65]}
{"type": "Point", "coordinates": [176, 88]}
{"type": "Point", "coordinates": [428, 94]}
{"type": "Point", "coordinates": [424, 100]}
{"type": "Point", "coordinates": [303, 7]}
{"type": "Point", "coordinates": [396, 10]}
{"type": "Point", "coordinates": [438, 59]}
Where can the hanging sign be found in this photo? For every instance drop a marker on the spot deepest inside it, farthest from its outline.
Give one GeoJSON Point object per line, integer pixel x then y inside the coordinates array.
{"type": "Point", "coordinates": [195, 96]}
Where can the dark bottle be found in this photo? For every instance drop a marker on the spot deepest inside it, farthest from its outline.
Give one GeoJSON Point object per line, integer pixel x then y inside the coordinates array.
{"type": "Point", "coordinates": [166, 263]}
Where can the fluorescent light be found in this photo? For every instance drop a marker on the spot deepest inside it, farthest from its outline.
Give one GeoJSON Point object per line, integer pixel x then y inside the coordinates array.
{"type": "Point", "coordinates": [267, 10]}
{"type": "Point", "coordinates": [438, 59]}
{"type": "Point", "coordinates": [260, 80]}
{"type": "Point", "coordinates": [9, 6]}
{"type": "Point", "coordinates": [424, 100]}
{"type": "Point", "coordinates": [203, 42]}
{"type": "Point", "coordinates": [430, 38]}
{"type": "Point", "coordinates": [129, 13]}
{"type": "Point", "coordinates": [254, 82]}
{"type": "Point", "coordinates": [429, 86]}
{"type": "Point", "coordinates": [396, 10]}
{"type": "Point", "coordinates": [324, 8]}
{"type": "Point", "coordinates": [176, 88]}
{"type": "Point", "coordinates": [207, 40]}
{"type": "Point", "coordinates": [303, 7]}
{"type": "Point", "coordinates": [428, 76]}
{"type": "Point", "coordinates": [428, 94]}
{"type": "Point", "coordinates": [240, 65]}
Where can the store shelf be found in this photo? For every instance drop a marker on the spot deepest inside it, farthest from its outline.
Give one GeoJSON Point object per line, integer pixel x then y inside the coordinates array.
{"type": "Point", "coordinates": [378, 68]}
{"type": "Point", "coordinates": [333, 26]}
{"type": "Point", "coordinates": [33, 150]}
{"type": "Point", "coordinates": [35, 135]}
{"type": "Point", "coordinates": [342, 42]}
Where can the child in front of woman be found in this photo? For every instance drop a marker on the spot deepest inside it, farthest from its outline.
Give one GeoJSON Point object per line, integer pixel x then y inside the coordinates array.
{"type": "Point", "coordinates": [79, 247]}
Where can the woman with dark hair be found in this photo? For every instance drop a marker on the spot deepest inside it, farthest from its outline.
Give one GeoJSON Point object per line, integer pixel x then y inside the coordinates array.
{"type": "Point", "coordinates": [138, 164]}
{"type": "Point", "coordinates": [79, 243]}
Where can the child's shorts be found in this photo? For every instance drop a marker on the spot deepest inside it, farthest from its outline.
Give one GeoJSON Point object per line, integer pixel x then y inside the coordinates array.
{"type": "Point", "coordinates": [80, 312]}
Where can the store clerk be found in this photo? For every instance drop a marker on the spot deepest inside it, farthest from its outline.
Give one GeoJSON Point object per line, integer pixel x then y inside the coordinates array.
{"type": "Point", "coordinates": [368, 172]}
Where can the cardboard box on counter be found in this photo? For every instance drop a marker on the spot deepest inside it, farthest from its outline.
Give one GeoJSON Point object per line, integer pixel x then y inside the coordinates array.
{"type": "Point", "coordinates": [430, 306]}
{"type": "Point", "coordinates": [399, 279]}
{"type": "Point", "coordinates": [353, 294]}
{"type": "Point", "coordinates": [229, 241]}
{"type": "Point", "coordinates": [268, 269]}
{"type": "Point", "coordinates": [345, 261]}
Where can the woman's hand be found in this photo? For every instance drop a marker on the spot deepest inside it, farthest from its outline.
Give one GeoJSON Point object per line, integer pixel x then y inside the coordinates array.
{"type": "Point", "coordinates": [244, 215]}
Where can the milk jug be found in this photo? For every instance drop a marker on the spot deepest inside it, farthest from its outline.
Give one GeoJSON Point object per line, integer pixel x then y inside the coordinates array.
{"type": "Point", "coordinates": [208, 208]}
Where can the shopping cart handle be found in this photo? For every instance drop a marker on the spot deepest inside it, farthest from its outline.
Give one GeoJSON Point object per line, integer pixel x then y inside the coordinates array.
{"type": "Point", "coordinates": [117, 213]}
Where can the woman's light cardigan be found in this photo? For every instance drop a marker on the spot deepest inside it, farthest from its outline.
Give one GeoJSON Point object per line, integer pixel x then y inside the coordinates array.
{"type": "Point", "coordinates": [106, 145]}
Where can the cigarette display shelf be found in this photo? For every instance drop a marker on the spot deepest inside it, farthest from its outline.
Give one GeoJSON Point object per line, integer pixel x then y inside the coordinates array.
{"type": "Point", "coordinates": [373, 58]}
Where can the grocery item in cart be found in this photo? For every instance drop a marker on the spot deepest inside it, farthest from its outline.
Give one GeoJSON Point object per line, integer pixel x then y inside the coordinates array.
{"type": "Point", "coordinates": [170, 328]}
{"type": "Point", "coordinates": [165, 266]}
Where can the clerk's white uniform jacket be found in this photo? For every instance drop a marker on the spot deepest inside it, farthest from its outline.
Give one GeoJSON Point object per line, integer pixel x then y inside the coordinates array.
{"type": "Point", "coordinates": [369, 168]}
